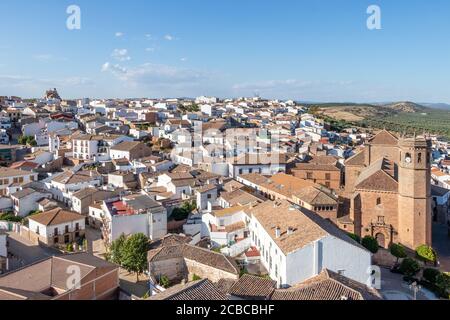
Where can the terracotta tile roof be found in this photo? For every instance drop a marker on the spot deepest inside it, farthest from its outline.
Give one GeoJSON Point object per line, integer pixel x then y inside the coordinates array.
{"type": "Point", "coordinates": [127, 146]}
{"type": "Point", "coordinates": [228, 211]}
{"type": "Point", "coordinates": [200, 255]}
{"type": "Point", "coordinates": [316, 167]}
{"type": "Point", "coordinates": [8, 172]}
{"type": "Point", "coordinates": [240, 197]}
{"type": "Point", "coordinates": [359, 159]}
{"type": "Point", "coordinates": [193, 291]}
{"type": "Point", "coordinates": [306, 226]}
{"type": "Point", "coordinates": [249, 287]}
{"type": "Point", "coordinates": [69, 177]}
{"type": "Point", "coordinates": [55, 217]}
{"type": "Point", "coordinates": [384, 137]}
{"type": "Point", "coordinates": [29, 282]}
{"type": "Point", "coordinates": [327, 285]}
{"type": "Point", "coordinates": [377, 177]}
{"type": "Point", "coordinates": [315, 196]}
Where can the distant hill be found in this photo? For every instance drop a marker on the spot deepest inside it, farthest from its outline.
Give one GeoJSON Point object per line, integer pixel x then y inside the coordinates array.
{"type": "Point", "coordinates": [358, 112]}
{"type": "Point", "coordinates": [442, 106]}
{"type": "Point", "coordinates": [406, 106]}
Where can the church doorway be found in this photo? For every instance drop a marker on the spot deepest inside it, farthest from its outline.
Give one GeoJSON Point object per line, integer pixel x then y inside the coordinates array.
{"type": "Point", "coordinates": [381, 239]}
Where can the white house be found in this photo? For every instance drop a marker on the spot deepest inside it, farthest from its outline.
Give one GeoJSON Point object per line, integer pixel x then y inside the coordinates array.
{"type": "Point", "coordinates": [296, 244]}
{"type": "Point", "coordinates": [225, 227]}
{"type": "Point", "coordinates": [26, 200]}
{"type": "Point", "coordinates": [265, 164]}
{"type": "Point", "coordinates": [133, 214]}
{"type": "Point", "coordinates": [56, 226]}
{"type": "Point", "coordinates": [12, 176]}
{"type": "Point", "coordinates": [206, 196]}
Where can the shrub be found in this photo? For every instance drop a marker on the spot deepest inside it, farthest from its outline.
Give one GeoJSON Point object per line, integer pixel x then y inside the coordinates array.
{"type": "Point", "coordinates": [355, 237]}
{"type": "Point", "coordinates": [69, 247]}
{"type": "Point", "coordinates": [164, 282]}
{"type": "Point", "coordinates": [398, 251]}
{"type": "Point", "coordinates": [431, 275]}
{"type": "Point", "coordinates": [10, 217]}
{"type": "Point", "coordinates": [409, 267]}
{"type": "Point", "coordinates": [243, 271]}
{"type": "Point", "coordinates": [443, 283]}
{"type": "Point", "coordinates": [426, 253]}
{"type": "Point", "coordinates": [370, 243]}
{"type": "Point", "coordinates": [195, 277]}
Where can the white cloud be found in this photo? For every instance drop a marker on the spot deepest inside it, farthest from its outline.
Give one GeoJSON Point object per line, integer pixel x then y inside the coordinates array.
{"type": "Point", "coordinates": [156, 74]}
{"type": "Point", "coordinates": [115, 69]}
{"type": "Point", "coordinates": [169, 37]}
{"type": "Point", "coordinates": [119, 34]}
{"type": "Point", "coordinates": [121, 55]}
{"type": "Point", "coordinates": [149, 36]}
{"type": "Point", "coordinates": [183, 59]}
{"type": "Point", "coordinates": [150, 49]}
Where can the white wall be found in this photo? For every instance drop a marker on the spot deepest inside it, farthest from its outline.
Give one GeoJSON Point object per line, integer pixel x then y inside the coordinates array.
{"type": "Point", "coordinates": [48, 231]}
{"type": "Point", "coordinates": [3, 249]}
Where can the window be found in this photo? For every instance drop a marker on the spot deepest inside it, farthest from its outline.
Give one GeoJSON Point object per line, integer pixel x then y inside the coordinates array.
{"type": "Point", "coordinates": [240, 171]}
{"type": "Point", "coordinates": [419, 158]}
{"type": "Point", "coordinates": [77, 227]}
{"type": "Point", "coordinates": [309, 175]}
{"type": "Point", "coordinates": [209, 196]}
{"type": "Point", "coordinates": [55, 231]}
{"type": "Point", "coordinates": [378, 201]}
{"type": "Point", "coordinates": [327, 176]}
{"type": "Point", "coordinates": [327, 184]}
{"type": "Point", "coordinates": [66, 229]}
{"type": "Point", "coordinates": [381, 219]}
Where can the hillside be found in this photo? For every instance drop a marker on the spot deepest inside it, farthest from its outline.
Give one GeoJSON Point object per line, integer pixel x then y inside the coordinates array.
{"type": "Point", "coordinates": [399, 116]}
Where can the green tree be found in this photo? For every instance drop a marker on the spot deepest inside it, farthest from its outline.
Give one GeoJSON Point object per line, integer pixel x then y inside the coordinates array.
{"type": "Point", "coordinates": [134, 254]}
{"type": "Point", "coordinates": [398, 251]}
{"type": "Point", "coordinates": [116, 250]}
{"type": "Point", "coordinates": [426, 253]}
{"type": "Point", "coordinates": [370, 243]}
{"type": "Point", "coordinates": [443, 283]}
{"type": "Point", "coordinates": [409, 267]}
{"type": "Point", "coordinates": [355, 237]}
{"type": "Point", "coordinates": [431, 275]}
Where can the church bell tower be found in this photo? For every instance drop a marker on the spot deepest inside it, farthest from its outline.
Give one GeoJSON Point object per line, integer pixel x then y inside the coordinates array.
{"type": "Point", "coordinates": [414, 205]}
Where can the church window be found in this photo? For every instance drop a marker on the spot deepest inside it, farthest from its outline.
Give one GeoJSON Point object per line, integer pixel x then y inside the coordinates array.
{"type": "Point", "coordinates": [419, 158]}
{"type": "Point", "coordinates": [378, 201]}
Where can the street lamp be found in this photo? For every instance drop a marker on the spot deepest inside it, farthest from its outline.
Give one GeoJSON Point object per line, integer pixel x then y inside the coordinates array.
{"type": "Point", "coordinates": [415, 288]}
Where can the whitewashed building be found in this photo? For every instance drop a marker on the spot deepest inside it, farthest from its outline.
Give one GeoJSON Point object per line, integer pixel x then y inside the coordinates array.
{"type": "Point", "coordinates": [296, 244]}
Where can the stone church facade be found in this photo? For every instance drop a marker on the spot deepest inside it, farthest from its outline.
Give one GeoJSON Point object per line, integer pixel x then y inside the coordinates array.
{"type": "Point", "coordinates": [388, 184]}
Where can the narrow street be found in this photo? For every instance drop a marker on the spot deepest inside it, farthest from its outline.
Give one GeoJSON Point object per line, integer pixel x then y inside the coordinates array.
{"type": "Point", "coordinates": [441, 243]}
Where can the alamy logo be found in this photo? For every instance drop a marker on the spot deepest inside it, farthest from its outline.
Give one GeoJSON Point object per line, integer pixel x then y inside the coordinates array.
{"type": "Point", "coordinates": [74, 20]}
{"type": "Point", "coordinates": [374, 20]}
{"type": "Point", "coordinates": [74, 279]}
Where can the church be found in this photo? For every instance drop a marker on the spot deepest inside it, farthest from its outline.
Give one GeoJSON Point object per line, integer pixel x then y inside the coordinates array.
{"type": "Point", "coordinates": [388, 190]}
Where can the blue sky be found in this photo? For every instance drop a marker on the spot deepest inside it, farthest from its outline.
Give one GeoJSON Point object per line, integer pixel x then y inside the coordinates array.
{"type": "Point", "coordinates": [314, 50]}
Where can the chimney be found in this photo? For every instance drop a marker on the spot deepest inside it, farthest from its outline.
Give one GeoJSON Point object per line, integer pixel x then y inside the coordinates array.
{"type": "Point", "coordinates": [277, 232]}
{"type": "Point", "coordinates": [290, 231]}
